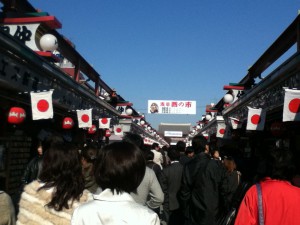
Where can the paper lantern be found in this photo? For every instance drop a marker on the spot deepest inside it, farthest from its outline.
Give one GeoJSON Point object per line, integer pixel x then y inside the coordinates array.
{"type": "Point", "coordinates": [208, 117]}
{"type": "Point", "coordinates": [128, 111]}
{"type": "Point", "coordinates": [16, 115]}
{"type": "Point", "coordinates": [228, 98]}
{"type": "Point", "coordinates": [68, 123]}
{"type": "Point", "coordinates": [92, 129]}
{"type": "Point", "coordinates": [107, 133]}
{"type": "Point", "coordinates": [48, 42]}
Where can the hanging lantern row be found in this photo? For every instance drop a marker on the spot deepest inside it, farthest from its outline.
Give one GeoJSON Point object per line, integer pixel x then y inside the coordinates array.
{"type": "Point", "coordinates": [17, 115]}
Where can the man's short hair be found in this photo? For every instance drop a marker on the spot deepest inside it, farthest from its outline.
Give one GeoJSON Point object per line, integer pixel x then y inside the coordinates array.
{"type": "Point", "coordinates": [155, 145]}
{"type": "Point", "coordinates": [199, 143]}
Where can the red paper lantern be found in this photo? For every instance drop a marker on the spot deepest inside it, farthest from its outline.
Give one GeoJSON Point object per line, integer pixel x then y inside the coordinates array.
{"type": "Point", "coordinates": [92, 129]}
{"type": "Point", "coordinates": [16, 115]}
{"type": "Point", "coordinates": [107, 133]}
{"type": "Point", "coordinates": [68, 123]}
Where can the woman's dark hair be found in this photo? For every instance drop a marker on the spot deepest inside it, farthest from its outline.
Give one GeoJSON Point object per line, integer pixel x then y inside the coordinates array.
{"type": "Point", "coordinates": [120, 166]}
{"type": "Point", "coordinates": [62, 171]}
{"type": "Point", "coordinates": [134, 139]}
{"type": "Point", "coordinates": [280, 164]}
{"type": "Point", "coordinates": [89, 153]}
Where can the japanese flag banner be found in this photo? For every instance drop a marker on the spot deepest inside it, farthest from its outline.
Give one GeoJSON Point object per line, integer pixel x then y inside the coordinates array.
{"type": "Point", "coordinates": [41, 105]}
{"type": "Point", "coordinates": [118, 130]}
{"type": "Point", "coordinates": [84, 118]}
{"type": "Point", "coordinates": [291, 106]}
{"type": "Point", "coordinates": [235, 123]}
{"type": "Point", "coordinates": [221, 128]}
{"type": "Point", "coordinates": [256, 119]}
{"type": "Point", "coordinates": [104, 123]}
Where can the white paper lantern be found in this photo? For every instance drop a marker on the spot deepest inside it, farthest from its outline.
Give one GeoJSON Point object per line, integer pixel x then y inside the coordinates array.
{"type": "Point", "coordinates": [208, 117]}
{"type": "Point", "coordinates": [228, 98]}
{"type": "Point", "coordinates": [128, 111]}
{"type": "Point", "coordinates": [48, 42]}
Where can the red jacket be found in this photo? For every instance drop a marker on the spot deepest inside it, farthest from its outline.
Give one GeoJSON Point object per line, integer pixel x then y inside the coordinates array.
{"type": "Point", "coordinates": [281, 204]}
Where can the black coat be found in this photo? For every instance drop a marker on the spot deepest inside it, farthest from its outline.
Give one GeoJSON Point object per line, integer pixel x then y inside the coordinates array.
{"type": "Point", "coordinates": [32, 170]}
{"type": "Point", "coordinates": [202, 190]}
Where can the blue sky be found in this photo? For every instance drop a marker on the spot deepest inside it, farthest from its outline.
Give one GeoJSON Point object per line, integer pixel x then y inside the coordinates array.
{"type": "Point", "coordinates": [171, 49]}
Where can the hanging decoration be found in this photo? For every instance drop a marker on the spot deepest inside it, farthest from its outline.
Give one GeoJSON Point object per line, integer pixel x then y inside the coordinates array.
{"type": "Point", "coordinates": [16, 115]}
{"type": "Point", "coordinates": [291, 107]}
{"type": "Point", "coordinates": [118, 130]}
{"type": "Point", "coordinates": [104, 123]}
{"type": "Point", "coordinates": [41, 104]}
{"type": "Point", "coordinates": [84, 118]}
{"type": "Point", "coordinates": [68, 123]}
{"type": "Point", "coordinates": [235, 123]}
{"type": "Point", "coordinates": [107, 133]}
{"type": "Point", "coordinates": [256, 119]}
{"type": "Point", "coordinates": [92, 129]}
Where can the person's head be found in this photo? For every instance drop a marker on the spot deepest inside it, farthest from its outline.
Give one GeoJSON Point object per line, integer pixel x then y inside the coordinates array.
{"type": "Point", "coordinates": [52, 140]}
{"type": "Point", "coordinates": [229, 163]}
{"type": "Point", "coordinates": [155, 146]}
{"type": "Point", "coordinates": [120, 167]}
{"type": "Point", "coordinates": [39, 148]}
{"type": "Point", "coordinates": [149, 155]}
{"type": "Point", "coordinates": [199, 144]}
{"type": "Point", "coordinates": [181, 145]}
{"type": "Point", "coordinates": [88, 155]}
{"type": "Point", "coordinates": [280, 164]}
{"type": "Point", "coordinates": [62, 170]}
{"type": "Point", "coordinates": [215, 154]}
{"type": "Point", "coordinates": [154, 108]}
{"type": "Point", "coordinates": [174, 154]}
{"type": "Point", "coordinates": [135, 139]}
{"type": "Point", "coordinates": [189, 151]}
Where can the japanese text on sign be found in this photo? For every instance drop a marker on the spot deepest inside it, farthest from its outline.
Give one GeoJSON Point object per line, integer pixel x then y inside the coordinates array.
{"type": "Point", "coordinates": [171, 107]}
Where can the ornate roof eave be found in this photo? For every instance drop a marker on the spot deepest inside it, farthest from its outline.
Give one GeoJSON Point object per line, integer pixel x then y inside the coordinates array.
{"type": "Point", "coordinates": [268, 93]}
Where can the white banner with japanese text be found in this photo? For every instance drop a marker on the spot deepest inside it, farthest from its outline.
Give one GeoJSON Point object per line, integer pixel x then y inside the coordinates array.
{"type": "Point", "coordinates": [171, 107]}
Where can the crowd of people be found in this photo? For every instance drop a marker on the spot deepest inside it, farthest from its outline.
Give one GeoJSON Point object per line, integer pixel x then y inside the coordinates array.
{"type": "Point", "coordinates": [127, 182]}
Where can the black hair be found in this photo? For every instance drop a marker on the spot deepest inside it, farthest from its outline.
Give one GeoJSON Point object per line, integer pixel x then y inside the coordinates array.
{"type": "Point", "coordinates": [189, 150]}
{"type": "Point", "coordinates": [120, 167]}
{"type": "Point", "coordinates": [155, 145]}
{"type": "Point", "coordinates": [149, 155]}
{"type": "Point", "coordinates": [89, 153]}
{"type": "Point", "coordinates": [280, 164]}
{"type": "Point", "coordinates": [181, 145]}
{"type": "Point", "coordinates": [173, 153]}
{"type": "Point", "coordinates": [135, 139]}
{"type": "Point", "coordinates": [62, 171]}
{"type": "Point", "coordinates": [199, 143]}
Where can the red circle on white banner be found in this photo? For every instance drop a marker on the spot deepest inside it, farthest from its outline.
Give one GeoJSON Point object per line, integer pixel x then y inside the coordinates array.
{"type": "Point", "coordinates": [118, 130]}
{"type": "Point", "coordinates": [255, 119]}
{"type": "Point", "coordinates": [85, 118]}
{"type": "Point", "coordinates": [294, 105]}
{"type": "Point", "coordinates": [104, 120]}
{"type": "Point", "coordinates": [222, 131]}
{"type": "Point", "coordinates": [42, 105]}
